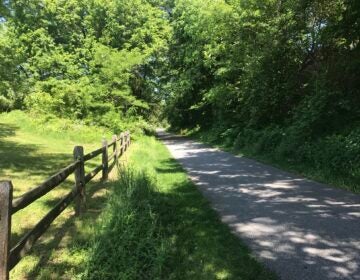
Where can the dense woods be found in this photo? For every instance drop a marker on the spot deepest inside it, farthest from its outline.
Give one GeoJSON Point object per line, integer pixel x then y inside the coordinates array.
{"type": "Point", "coordinates": [272, 76]}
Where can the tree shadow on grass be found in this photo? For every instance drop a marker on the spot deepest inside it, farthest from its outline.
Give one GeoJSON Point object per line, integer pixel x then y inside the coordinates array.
{"type": "Point", "coordinates": [202, 243]}
{"type": "Point", "coordinates": [7, 130]}
{"type": "Point", "coordinates": [24, 159]}
{"type": "Point", "coordinates": [169, 166]}
{"type": "Point", "coordinates": [67, 235]}
{"type": "Point", "coordinates": [18, 161]}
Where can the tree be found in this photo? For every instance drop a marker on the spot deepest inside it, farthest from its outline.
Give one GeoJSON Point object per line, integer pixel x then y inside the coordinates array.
{"type": "Point", "coordinates": [80, 59]}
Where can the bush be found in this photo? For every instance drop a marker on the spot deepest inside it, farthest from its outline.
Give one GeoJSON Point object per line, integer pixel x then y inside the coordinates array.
{"type": "Point", "coordinates": [5, 104]}
{"type": "Point", "coordinates": [340, 154]}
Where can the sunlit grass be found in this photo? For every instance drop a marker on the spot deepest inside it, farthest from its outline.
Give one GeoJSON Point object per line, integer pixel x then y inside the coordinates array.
{"type": "Point", "coordinates": [163, 228]}
{"type": "Point", "coordinates": [28, 156]}
{"type": "Point", "coordinates": [187, 241]}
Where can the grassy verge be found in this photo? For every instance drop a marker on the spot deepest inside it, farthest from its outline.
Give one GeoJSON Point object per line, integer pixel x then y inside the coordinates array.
{"type": "Point", "coordinates": [151, 224]}
{"type": "Point", "coordinates": [30, 153]}
{"type": "Point", "coordinates": [157, 225]}
{"type": "Point", "coordinates": [317, 170]}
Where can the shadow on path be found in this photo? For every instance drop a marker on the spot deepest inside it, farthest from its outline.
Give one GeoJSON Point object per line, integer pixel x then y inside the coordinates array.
{"type": "Point", "coordinates": [299, 228]}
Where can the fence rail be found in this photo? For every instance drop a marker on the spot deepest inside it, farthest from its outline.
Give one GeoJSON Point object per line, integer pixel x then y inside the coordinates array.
{"type": "Point", "coordinates": [9, 257]}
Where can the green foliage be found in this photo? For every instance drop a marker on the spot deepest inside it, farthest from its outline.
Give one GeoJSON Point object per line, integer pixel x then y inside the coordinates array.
{"type": "Point", "coordinates": [278, 77]}
{"type": "Point", "coordinates": [81, 59]}
{"type": "Point", "coordinates": [253, 62]}
{"type": "Point", "coordinates": [332, 158]}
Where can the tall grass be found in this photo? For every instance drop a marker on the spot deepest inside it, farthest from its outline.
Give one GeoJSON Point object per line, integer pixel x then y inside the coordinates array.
{"type": "Point", "coordinates": [129, 243]}
{"type": "Point", "coordinates": [157, 225]}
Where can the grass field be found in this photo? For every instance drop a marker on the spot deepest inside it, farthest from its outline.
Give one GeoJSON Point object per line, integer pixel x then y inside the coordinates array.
{"type": "Point", "coordinates": [30, 153]}
{"type": "Point", "coordinates": [152, 223]}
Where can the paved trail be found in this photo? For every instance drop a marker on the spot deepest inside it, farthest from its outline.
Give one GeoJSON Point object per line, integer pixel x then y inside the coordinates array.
{"type": "Point", "coordinates": [299, 228]}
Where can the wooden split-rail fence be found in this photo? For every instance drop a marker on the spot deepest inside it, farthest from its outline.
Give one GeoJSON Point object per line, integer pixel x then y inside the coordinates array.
{"type": "Point", "coordinates": [9, 257]}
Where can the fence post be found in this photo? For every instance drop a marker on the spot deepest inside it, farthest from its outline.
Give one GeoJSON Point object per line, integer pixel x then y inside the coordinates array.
{"type": "Point", "coordinates": [121, 143]}
{"type": "Point", "coordinates": [105, 163]}
{"type": "Point", "coordinates": [79, 179]}
{"type": "Point", "coordinates": [6, 192]}
{"type": "Point", "coordinates": [126, 141]}
{"type": "Point", "coordinates": [115, 149]}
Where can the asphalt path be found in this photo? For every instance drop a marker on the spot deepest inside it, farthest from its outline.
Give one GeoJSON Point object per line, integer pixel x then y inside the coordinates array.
{"type": "Point", "coordinates": [298, 228]}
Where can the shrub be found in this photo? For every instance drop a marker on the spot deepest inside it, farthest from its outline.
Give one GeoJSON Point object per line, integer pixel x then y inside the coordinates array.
{"type": "Point", "coordinates": [5, 104]}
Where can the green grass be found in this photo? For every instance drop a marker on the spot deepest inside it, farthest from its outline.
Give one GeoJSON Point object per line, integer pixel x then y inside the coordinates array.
{"type": "Point", "coordinates": [157, 225]}
{"type": "Point", "coordinates": [151, 224]}
{"type": "Point", "coordinates": [30, 153]}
